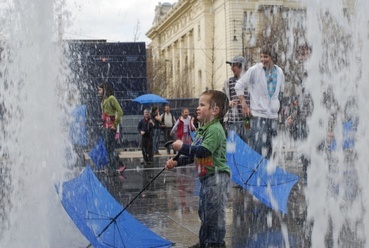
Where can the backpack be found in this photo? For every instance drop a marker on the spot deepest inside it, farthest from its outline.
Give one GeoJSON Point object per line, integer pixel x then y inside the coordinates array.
{"type": "Point", "coordinates": [163, 121]}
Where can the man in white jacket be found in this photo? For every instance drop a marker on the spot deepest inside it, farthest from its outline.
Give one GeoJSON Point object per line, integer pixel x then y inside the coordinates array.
{"type": "Point", "coordinates": [265, 82]}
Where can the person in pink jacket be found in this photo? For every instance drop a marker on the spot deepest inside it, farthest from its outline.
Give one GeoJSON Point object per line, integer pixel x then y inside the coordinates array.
{"type": "Point", "coordinates": [183, 127]}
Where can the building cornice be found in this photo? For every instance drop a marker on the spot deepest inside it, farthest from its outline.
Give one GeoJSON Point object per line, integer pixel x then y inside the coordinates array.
{"type": "Point", "coordinates": [172, 16]}
{"type": "Point", "coordinates": [286, 4]}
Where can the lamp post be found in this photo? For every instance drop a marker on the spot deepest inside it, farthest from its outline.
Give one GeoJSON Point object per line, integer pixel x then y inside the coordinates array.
{"type": "Point", "coordinates": [248, 32]}
{"type": "Point", "coordinates": [166, 77]}
{"type": "Point", "coordinates": [242, 37]}
{"type": "Point", "coordinates": [243, 44]}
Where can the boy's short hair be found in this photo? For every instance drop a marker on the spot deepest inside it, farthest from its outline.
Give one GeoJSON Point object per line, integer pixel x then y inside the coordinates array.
{"type": "Point", "coordinates": [219, 99]}
{"type": "Point", "coordinates": [269, 50]}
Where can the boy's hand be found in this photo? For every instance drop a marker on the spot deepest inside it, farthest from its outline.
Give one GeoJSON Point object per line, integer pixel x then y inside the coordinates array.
{"type": "Point", "coordinates": [170, 164]}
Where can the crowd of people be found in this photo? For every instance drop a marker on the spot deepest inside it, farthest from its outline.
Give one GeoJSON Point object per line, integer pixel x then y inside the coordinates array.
{"type": "Point", "coordinates": [153, 125]}
{"type": "Point", "coordinates": [253, 97]}
{"type": "Point", "coordinates": [249, 105]}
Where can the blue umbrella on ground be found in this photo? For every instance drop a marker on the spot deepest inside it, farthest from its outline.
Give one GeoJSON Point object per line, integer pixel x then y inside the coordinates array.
{"type": "Point", "coordinates": [149, 99]}
{"type": "Point", "coordinates": [250, 170]}
{"type": "Point", "coordinates": [100, 217]}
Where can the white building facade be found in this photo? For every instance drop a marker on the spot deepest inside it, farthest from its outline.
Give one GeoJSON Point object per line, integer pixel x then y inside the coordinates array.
{"type": "Point", "coordinates": [192, 40]}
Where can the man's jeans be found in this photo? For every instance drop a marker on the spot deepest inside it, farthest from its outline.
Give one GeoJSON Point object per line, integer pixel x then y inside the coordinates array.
{"type": "Point", "coordinates": [262, 132]}
{"type": "Point", "coordinates": [240, 130]}
{"type": "Point", "coordinates": [155, 141]}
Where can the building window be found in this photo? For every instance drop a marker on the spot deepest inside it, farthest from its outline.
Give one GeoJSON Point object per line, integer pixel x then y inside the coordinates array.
{"type": "Point", "coordinates": [244, 23]}
{"type": "Point", "coordinates": [198, 32]}
{"type": "Point", "coordinates": [200, 77]}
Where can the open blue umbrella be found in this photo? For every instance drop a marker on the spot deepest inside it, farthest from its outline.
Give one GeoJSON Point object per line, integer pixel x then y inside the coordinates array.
{"type": "Point", "coordinates": [150, 99]}
{"type": "Point", "coordinates": [77, 132]}
{"type": "Point", "coordinates": [100, 217]}
{"type": "Point", "coordinates": [99, 154]}
{"type": "Point", "coordinates": [250, 170]}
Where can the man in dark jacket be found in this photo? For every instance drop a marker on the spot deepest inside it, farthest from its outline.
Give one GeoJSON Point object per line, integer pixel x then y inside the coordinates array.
{"type": "Point", "coordinates": [145, 128]}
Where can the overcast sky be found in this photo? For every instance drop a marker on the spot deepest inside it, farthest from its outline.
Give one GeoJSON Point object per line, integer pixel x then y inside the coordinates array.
{"type": "Point", "coordinates": [113, 20]}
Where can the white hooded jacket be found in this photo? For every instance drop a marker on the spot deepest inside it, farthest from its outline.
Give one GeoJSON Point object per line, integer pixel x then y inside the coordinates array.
{"type": "Point", "coordinates": [261, 104]}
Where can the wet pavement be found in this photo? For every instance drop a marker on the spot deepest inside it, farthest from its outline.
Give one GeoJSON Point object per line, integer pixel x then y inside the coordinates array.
{"type": "Point", "coordinates": [169, 206]}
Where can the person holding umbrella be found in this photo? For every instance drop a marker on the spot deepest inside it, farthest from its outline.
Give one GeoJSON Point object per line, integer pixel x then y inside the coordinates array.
{"type": "Point", "coordinates": [111, 115]}
{"type": "Point", "coordinates": [145, 127]}
{"type": "Point", "coordinates": [155, 116]}
{"type": "Point", "coordinates": [208, 152]}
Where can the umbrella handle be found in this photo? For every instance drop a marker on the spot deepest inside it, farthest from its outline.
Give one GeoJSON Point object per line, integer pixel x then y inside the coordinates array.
{"type": "Point", "coordinates": [147, 185]}
{"type": "Point", "coordinates": [253, 172]}
{"type": "Point", "coordinates": [139, 193]}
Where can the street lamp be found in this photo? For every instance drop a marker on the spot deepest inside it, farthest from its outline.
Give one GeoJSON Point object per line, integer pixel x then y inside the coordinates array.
{"type": "Point", "coordinates": [242, 37]}
{"type": "Point", "coordinates": [234, 31]}
{"type": "Point", "coordinates": [166, 76]}
{"type": "Point", "coordinates": [246, 36]}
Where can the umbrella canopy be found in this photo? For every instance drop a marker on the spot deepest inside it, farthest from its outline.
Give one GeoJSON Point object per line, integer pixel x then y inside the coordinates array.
{"type": "Point", "coordinates": [268, 183]}
{"type": "Point", "coordinates": [99, 154]}
{"type": "Point", "coordinates": [77, 131]}
{"type": "Point", "coordinates": [150, 98]}
{"type": "Point", "coordinates": [100, 218]}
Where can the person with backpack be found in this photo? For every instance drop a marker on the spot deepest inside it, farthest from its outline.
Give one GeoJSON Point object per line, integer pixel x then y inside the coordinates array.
{"type": "Point", "coordinates": [167, 120]}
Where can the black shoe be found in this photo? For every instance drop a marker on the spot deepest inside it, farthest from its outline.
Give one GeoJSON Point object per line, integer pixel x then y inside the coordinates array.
{"type": "Point", "coordinates": [217, 245]}
{"type": "Point", "coordinates": [196, 246]}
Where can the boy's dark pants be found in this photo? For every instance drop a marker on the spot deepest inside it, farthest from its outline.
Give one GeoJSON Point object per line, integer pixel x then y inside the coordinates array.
{"type": "Point", "coordinates": [213, 197]}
